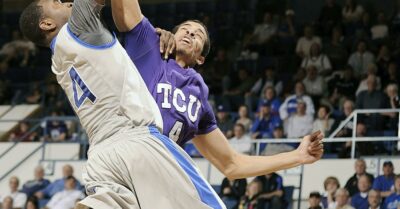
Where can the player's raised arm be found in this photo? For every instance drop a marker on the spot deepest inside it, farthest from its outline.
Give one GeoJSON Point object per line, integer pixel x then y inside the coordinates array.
{"type": "Point", "coordinates": [126, 14]}
{"type": "Point", "coordinates": [215, 147]}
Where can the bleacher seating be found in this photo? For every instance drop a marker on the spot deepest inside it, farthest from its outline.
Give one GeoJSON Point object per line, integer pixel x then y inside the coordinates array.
{"type": "Point", "coordinates": [17, 113]}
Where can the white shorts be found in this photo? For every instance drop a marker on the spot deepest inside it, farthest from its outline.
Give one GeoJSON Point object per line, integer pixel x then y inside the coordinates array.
{"type": "Point", "coordinates": [141, 168]}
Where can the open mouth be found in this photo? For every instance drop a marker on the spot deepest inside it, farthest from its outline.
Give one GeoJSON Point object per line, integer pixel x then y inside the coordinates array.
{"type": "Point", "coordinates": [186, 41]}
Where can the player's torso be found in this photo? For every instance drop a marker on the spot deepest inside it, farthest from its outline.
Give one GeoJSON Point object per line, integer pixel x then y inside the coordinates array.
{"type": "Point", "coordinates": [102, 85]}
{"type": "Point", "coordinates": [179, 93]}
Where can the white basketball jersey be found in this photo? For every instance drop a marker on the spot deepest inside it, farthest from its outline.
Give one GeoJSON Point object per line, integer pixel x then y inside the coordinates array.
{"type": "Point", "coordinates": [103, 86]}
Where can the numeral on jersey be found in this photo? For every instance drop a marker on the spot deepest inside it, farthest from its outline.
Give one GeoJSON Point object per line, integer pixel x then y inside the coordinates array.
{"type": "Point", "coordinates": [176, 131]}
{"type": "Point", "coordinates": [86, 93]}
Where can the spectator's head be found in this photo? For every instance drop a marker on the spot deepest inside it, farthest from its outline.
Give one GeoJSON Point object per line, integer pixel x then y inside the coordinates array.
{"type": "Point", "coordinates": [381, 17]}
{"type": "Point", "coordinates": [269, 72]}
{"type": "Point", "coordinates": [300, 75]}
{"type": "Point", "coordinates": [299, 88]}
{"type": "Point", "coordinates": [331, 184]}
{"type": "Point", "coordinates": [67, 170]}
{"type": "Point", "coordinates": [371, 82]}
{"type": "Point", "coordinates": [361, 130]}
{"type": "Point", "coordinates": [392, 90]}
{"type": "Point", "coordinates": [267, 19]}
{"type": "Point", "coordinates": [351, 3]}
{"type": "Point", "coordinates": [39, 172]}
{"type": "Point", "coordinates": [312, 72]}
{"type": "Point", "coordinates": [323, 111]}
{"type": "Point", "coordinates": [243, 74]}
{"type": "Point", "coordinates": [308, 31]}
{"type": "Point", "coordinates": [42, 19]}
{"type": "Point", "coordinates": [374, 199]}
{"type": "Point", "coordinates": [253, 188]}
{"type": "Point", "coordinates": [265, 109]}
{"type": "Point", "coordinates": [384, 51]}
{"type": "Point", "coordinates": [397, 183]}
{"type": "Point", "coordinates": [330, 2]}
{"type": "Point", "coordinates": [372, 69]}
{"type": "Point", "coordinates": [23, 127]}
{"type": "Point", "coordinates": [314, 199]}
{"type": "Point", "coordinates": [366, 18]}
{"type": "Point", "coordinates": [14, 183]}
{"type": "Point", "coordinates": [392, 68]}
{"type": "Point", "coordinates": [222, 112]}
{"type": "Point", "coordinates": [194, 50]}
{"type": "Point", "coordinates": [7, 203]}
{"type": "Point", "coordinates": [388, 168]}
{"type": "Point", "coordinates": [361, 47]}
{"type": "Point", "coordinates": [278, 132]}
{"type": "Point", "coordinates": [348, 73]}
{"type": "Point", "coordinates": [337, 34]}
{"type": "Point", "coordinates": [360, 167]}
{"type": "Point", "coordinates": [269, 93]}
{"type": "Point", "coordinates": [243, 111]}
{"type": "Point", "coordinates": [238, 130]}
{"type": "Point", "coordinates": [341, 197]}
{"type": "Point", "coordinates": [315, 50]}
{"type": "Point", "coordinates": [363, 183]}
{"type": "Point", "coordinates": [348, 107]}
{"type": "Point", "coordinates": [70, 183]}
{"type": "Point", "coordinates": [32, 203]}
{"type": "Point", "coordinates": [301, 107]}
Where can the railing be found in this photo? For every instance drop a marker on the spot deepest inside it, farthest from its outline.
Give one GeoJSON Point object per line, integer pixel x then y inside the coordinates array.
{"type": "Point", "coordinates": [354, 115]}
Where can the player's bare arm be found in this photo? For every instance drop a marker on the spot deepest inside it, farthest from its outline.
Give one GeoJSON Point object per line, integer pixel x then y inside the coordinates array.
{"type": "Point", "coordinates": [126, 14]}
{"type": "Point", "coordinates": [215, 148]}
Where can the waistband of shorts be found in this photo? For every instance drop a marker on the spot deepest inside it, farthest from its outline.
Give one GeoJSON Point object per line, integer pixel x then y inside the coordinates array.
{"type": "Point", "coordinates": [121, 134]}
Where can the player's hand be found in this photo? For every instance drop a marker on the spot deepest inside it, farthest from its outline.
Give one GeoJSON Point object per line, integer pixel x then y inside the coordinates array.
{"type": "Point", "coordinates": [311, 148]}
{"type": "Point", "coordinates": [167, 42]}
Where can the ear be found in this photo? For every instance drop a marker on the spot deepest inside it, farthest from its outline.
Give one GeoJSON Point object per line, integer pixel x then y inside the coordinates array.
{"type": "Point", "coordinates": [200, 60]}
{"type": "Point", "coordinates": [47, 24]}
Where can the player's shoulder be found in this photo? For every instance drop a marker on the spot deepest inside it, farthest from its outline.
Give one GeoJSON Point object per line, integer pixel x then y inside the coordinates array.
{"type": "Point", "coordinates": [200, 82]}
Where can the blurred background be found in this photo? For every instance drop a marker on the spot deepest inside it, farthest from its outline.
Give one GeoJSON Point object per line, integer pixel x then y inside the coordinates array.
{"type": "Point", "coordinates": [277, 71]}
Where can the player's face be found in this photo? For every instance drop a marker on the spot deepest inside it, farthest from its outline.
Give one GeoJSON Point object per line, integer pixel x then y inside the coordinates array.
{"type": "Point", "coordinates": [56, 12]}
{"type": "Point", "coordinates": [190, 39]}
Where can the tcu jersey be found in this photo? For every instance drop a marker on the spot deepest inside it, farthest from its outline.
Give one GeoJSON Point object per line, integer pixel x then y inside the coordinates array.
{"type": "Point", "coordinates": [181, 94]}
{"type": "Point", "coordinates": [103, 86]}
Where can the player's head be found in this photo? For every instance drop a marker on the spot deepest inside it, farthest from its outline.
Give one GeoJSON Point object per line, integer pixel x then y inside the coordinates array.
{"type": "Point", "coordinates": [42, 19]}
{"type": "Point", "coordinates": [192, 42]}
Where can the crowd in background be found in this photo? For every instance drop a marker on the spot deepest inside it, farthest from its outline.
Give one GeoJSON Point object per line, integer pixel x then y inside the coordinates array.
{"type": "Point", "coordinates": [361, 191]}
{"type": "Point", "coordinates": [272, 78]}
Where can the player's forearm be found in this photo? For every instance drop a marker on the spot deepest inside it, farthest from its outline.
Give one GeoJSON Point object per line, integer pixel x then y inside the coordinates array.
{"type": "Point", "coordinates": [126, 14]}
{"type": "Point", "coordinates": [243, 166]}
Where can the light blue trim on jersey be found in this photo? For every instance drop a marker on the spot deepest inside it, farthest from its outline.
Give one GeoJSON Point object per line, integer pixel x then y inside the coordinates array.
{"type": "Point", "coordinates": [53, 44]}
{"type": "Point", "coordinates": [105, 46]}
{"type": "Point", "coordinates": [207, 196]}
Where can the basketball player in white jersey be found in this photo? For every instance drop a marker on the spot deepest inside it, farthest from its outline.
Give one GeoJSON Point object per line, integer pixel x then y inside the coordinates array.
{"type": "Point", "coordinates": [130, 164]}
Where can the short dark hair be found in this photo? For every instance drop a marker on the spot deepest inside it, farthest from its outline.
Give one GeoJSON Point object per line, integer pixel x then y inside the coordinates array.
{"type": "Point", "coordinates": [207, 43]}
{"type": "Point", "coordinates": [29, 23]}
{"type": "Point", "coordinates": [327, 109]}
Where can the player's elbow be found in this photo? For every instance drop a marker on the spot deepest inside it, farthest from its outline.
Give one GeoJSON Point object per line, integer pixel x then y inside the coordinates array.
{"type": "Point", "coordinates": [231, 169]}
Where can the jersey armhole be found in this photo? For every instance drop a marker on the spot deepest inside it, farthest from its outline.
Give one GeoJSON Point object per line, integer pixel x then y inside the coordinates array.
{"type": "Point", "coordinates": [87, 45]}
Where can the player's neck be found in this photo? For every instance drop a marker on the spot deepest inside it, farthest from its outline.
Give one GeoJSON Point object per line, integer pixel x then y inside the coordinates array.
{"type": "Point", "coordinates": [182, 62]}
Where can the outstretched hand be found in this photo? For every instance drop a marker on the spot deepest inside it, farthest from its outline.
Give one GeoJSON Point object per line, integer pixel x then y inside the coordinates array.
{"type": "Point", "coordinates": [167, 42]}
{"type": "Point", "coordinates": [311, 148]}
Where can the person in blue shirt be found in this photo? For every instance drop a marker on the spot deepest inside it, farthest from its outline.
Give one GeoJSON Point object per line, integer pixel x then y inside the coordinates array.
{"type": "Point", "coordinates": [37, 184]}
{"type": "Point", "coordinates": [384, 183]}
{"type": "Point", "coordinates": [360, 199]}
{"type": "Point", "coordinates": [264, 123]}
{"type": "Point", "coordinates": [393, 201]}
{"type": "Point", "coordinates": [45, 194]}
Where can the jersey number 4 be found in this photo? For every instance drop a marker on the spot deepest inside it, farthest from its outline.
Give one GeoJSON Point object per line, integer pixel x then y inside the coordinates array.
{"type": "Point", "coordinates": [86, 93]}
{"type": "Point", "coordinates": [176, 131]}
